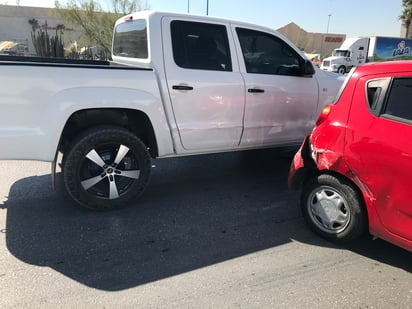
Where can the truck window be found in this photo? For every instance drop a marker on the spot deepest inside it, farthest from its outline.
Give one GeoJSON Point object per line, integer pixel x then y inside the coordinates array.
{"type": "Point", "coordinates": [130, 39]}
{"type": "Point", "coordinates": [399, 103]}
{"type": "Point", "coordinates": [341, 53]}
{"type": "Point", "coordinates": [200, 46]}
{"type": "Point", "coordinates": [264, 53]}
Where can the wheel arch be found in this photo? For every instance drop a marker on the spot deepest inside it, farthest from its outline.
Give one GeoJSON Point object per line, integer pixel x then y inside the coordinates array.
{"type": "Point", "coordinates": [133, 120]}
{"type": "Point", "coordinates": [311, 170]}
{"type": "Point", "coordinates": [308, 170]}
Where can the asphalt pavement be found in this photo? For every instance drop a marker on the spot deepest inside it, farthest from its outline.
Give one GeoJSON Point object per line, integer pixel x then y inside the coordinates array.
{"type": "Point", "coordinates": [213, 231]}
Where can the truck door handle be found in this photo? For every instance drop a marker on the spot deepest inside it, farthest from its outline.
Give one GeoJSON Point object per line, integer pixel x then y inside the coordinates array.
{"type": "Point", "coordinates": [255, 90]}
{"type": "Point", "coordinates": [182, 87]}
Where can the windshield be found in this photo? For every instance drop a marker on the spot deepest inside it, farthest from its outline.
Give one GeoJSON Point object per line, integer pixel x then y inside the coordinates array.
{"type": "Point", "coordinates": [341, 53]}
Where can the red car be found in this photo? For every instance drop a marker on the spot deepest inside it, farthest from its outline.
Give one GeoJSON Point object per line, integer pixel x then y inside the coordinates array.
{"type": "Point", "coordinates": [355, 168]}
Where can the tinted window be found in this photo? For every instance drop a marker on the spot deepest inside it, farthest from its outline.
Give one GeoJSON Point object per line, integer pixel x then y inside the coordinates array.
{"type": "Point", "coordinates": [399, 101]}
{"type": "Point", "coordinates": [266, 54]}
{"type": "Point", "coordinates": [130, 39]}
{"type": "Point", "coordinates": [200, 46]}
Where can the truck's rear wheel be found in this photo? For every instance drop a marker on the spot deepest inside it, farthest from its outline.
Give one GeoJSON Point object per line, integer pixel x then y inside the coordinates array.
{"type": "Point", "coordinates": [106, 168]}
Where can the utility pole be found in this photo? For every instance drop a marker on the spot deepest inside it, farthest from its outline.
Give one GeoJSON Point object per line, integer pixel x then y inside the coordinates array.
{"type": "Point", "coordinates": [327, 27]}
{"type": "Point", "coordinates": [188, 6]}
{"type": "Point", "coordinates": [327, 31]}
{"type": "Point", "coordinates": [207, 8]}
{"type": "Point", "coordinates": [324, 37]}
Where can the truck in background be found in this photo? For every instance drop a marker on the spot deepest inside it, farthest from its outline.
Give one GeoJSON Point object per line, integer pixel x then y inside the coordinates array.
{"type": "Point", "coordinates": [357, 51]}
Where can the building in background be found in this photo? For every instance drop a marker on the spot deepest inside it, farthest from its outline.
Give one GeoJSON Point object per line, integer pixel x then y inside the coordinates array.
{"type": "Point", "coordinates": [403, 31]}
{"type": "Point", "coordinates": [16, 29]}
{"type": "Point", "coordinates": [312, 43]}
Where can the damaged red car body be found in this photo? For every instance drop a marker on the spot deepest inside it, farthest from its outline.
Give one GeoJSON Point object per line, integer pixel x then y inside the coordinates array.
{"type": "Point", "coordinates": [354, 169]}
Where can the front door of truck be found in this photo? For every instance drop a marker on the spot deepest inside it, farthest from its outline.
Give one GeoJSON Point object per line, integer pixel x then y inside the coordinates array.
{"type": "Point", "coordinates": [205, 87]}
{"type": "Point", "coordinates": [280, 102]}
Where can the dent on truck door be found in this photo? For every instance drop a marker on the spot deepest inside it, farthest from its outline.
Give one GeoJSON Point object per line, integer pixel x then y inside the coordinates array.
{"type": "Point", "coordinates": [280, 102]}
{"type": "Point", "coordinates": [205, 86]}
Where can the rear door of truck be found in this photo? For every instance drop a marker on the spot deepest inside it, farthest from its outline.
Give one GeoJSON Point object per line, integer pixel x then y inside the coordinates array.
{"type": "Point", "coordinates": [206, 88]}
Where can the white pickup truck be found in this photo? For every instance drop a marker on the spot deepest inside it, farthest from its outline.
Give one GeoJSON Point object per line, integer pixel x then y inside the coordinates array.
{"type": "Point", "coordinates": [178, 85]}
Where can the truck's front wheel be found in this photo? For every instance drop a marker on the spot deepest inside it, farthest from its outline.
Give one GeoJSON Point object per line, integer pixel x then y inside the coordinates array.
{"type": "Point", "coordinates": [342, 69]}
{"type": "Point", "coordinates": [106, 168]}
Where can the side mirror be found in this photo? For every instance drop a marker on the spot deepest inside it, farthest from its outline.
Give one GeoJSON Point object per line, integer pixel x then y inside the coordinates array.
{"type": "Point", "coordinates": [308, 69]}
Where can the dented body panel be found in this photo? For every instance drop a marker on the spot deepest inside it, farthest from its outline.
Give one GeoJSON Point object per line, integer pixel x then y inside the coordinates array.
{"type": "Point", "coordinates": [366, 140]}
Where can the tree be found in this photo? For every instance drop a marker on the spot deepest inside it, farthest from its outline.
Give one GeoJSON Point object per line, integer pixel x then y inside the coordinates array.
{"type": "Point", "coordinates": [406, 16]}
{"type": "Point", "coordinates": [96, 23]}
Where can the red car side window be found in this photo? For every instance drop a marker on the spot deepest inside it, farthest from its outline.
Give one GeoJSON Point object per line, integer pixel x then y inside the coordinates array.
{"type": "Point", "coordinates": [376, 90]}
{"type": "Point", "coordinates": [399, 103]}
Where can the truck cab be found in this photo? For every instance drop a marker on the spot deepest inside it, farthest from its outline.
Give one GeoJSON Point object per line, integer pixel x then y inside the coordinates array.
{"type": "Point", "coordinates": [352, 52]}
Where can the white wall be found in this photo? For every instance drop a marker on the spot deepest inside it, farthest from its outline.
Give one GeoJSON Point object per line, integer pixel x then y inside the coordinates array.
{"type": "Point", "coordinates": [14, 23]}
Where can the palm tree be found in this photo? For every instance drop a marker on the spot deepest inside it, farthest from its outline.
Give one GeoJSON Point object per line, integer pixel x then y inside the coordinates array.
{"type": "Point", "coordinates": [406, 16]}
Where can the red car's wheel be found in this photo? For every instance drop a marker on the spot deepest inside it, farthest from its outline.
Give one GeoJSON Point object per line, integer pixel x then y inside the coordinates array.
{"type": "Point", "coordinates": [334, 208]}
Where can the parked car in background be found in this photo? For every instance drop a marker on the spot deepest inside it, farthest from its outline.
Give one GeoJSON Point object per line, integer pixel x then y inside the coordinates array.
{"type": "Point", "coordinates": [354, 169]}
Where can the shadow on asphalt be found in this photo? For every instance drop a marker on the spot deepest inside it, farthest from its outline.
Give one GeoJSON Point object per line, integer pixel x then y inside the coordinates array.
{"type": "Point", "coordinates": [196, 212]}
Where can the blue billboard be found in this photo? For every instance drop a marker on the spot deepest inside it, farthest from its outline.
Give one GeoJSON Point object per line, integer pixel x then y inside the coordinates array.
{"type": "Point", "coordinates": [392, 49]}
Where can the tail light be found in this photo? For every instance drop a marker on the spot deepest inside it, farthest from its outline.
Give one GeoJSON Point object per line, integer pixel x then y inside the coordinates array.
{"type": "Point", "coordinates": [324, 114]}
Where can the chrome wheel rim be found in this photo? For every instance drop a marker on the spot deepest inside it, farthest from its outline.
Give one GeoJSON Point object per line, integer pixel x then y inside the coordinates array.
{"type": "Point", "coordinates": [109, 171]}
{"type": "Point", "coordinates": [328, 210]}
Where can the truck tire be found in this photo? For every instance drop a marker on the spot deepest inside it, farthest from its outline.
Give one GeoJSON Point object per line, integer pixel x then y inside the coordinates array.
{"type": "Point", "coordinates": [342, 69]}
{"type": "Point", "coordinates": [334, 208]}
{"type": "Point", "coordinates": [106, 168]}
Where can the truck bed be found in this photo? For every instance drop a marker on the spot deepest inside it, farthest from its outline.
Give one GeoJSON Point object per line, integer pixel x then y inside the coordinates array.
{"type": "Point", "coordinates": [64, 62]}
{"type": "Point", "coordinates": [38, 96]}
